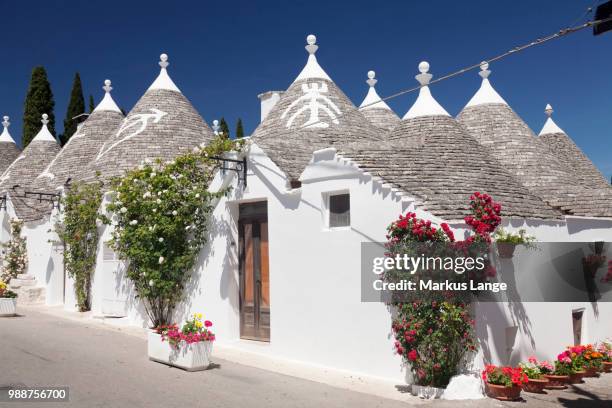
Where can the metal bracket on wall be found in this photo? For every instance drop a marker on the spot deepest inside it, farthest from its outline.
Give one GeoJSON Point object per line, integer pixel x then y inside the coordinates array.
{"type": "Point", "coordinates": [240, 167]}
{"type": "Point", "coordinates": [40, 196]}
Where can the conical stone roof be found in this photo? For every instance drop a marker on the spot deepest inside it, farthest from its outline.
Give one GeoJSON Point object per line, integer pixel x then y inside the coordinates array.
{"type": "Point", "coordinates": [24, 170]}
{"type": "Point", "coordinates": [163, 124]}
{"type": "Point", "coordinates": [498, 128]}
{"type": "Point", "coordinates": [81, 149]}
{"type": "Point", "coordinates": [312, 114]}
{"type": "Point", "coordinates": [375, 109]}
{"type": "Point", "coordinates": [8, 149]}
{"type": "Point", "coordinates": [569, 153]}
{"type": "Point", "coordinates": [430, 156]}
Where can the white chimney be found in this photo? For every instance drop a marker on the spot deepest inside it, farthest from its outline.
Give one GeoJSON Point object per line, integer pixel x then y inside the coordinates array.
{"type": "Point", "coordinates": [268, 100]}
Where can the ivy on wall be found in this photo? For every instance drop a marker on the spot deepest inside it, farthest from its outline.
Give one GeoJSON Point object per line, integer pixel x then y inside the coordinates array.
{"type": "Point", "coordinates": [15, 253]}
{"type": "Point", "coordinates": [78, 232]}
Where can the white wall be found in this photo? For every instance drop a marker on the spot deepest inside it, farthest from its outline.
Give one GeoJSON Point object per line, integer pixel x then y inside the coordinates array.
{"type": "Point", "coordinates": [316, 312]}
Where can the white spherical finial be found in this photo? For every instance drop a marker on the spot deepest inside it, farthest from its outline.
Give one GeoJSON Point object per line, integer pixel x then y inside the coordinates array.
{"type": "Point", "coordinates": [6, 122]}
{"type": "Point", "coordinates": [484, 65]}
{"type": "Point", "coordinates": [215, 122]}
{"type": "Point", "coordinates": [45, 119]}
{"type": "Point", "coordinates": [371, 74]}
{"type": "Point", "coordinates": [548, 110]}
{"type": "Point", "coordinates": [424, 67]}
{"type": "Point", "coordinates": [163, 60]}
{"type": "Point", "coordinates": [107, 85]}
{"type": "Point", "coordinates": [371, 78]}
{"type": "Point", "coordinates": [215, 127]}
{"type": "Point", "coordinates": [311, 39]}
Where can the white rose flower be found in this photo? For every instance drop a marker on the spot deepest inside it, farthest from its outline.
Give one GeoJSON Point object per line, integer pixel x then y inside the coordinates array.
{"type": "Point", "coordinates": [123, 210]}
{"type": "Point", "coordinates": [159, 193]}
{"type": "Point", "coordinates": [148, 161]}
{"type": "Point", "coordinates": [161, 239]}
{"type": "Point", "coordinates": [174, 212]}
{"type": "Point", "coordinates": [161, 260]}
{"type": "Point", "coordinates": [158, 201]}
{"type": "Point", "coordinates": [155, 210]}
{"type": "Point", "coordinates": [151, 283]}
{"type": "Point", "coordinates": [146, 195]}
{"type": "Point", "coordinates": [133, 222]}
{"type": "Point", "coordinates": [150, 228]}
{"type": "Point", "coordinates": [153, 174]}
{"type": "Point", "coordinates": [173, 177]}
{"type": "Point", "coordinates": [198, 195]}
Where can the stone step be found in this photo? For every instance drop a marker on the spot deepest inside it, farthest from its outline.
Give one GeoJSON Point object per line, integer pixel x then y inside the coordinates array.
{"type": "Point", "coordinates": [26, 276]}
{"type": "Point", "coordinates": [18, 283]}
{"type": "Point", "coordinates": [29, 295]}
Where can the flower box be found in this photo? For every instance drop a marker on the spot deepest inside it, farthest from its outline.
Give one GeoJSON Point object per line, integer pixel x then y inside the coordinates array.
{"type": "Point", "coordinates": [591, 372]}
{"type": "Point", "coordinates": [189, 357]}
{"type": "Point", "coordinates": [8, 307]}
{"type": "Point", "coordinates": [506, 249]}
{"type": "Point", "coordinates": [607, 366]}
{"type": "Point", "coordinates": [556, 382]}
{"type": "Point", "coordinates": [535, 386]}
{"type": "Point", "coordinates": [503, 393]}
{"type": "Point", "coordinates": [426, 392]}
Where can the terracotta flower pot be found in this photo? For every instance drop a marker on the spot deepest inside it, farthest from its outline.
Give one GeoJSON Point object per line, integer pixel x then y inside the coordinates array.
{"type": "Point", "coordinates": [535, 385]}
{"type": "Point", "coordinates": [576, 378]}
{"type": "Point", "coordinates": [503, 393]}
{"type": "Point", "coordinates": [591, 372]}
{"type": "Point", "coordinates": [556, 382]}
{"type": "Point", "coordinates": [607, 366]}
{"type": "Point", "coordinates": [505, 250]}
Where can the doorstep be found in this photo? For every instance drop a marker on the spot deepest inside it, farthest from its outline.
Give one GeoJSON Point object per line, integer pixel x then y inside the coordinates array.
{"type": "Point", "coordinates": [254, 354]}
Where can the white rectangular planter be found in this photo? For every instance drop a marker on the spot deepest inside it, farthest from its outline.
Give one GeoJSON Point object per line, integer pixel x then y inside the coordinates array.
{"type": "Point", "coordinates": [8, 307]}
{"type": "Point", "coordinates": [190, 357]}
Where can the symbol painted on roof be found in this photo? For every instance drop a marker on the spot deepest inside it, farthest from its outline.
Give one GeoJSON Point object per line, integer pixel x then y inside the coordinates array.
{"type": "Point", "coordinates": [139, 122]}
{"type": "Point", "coordinates": [314, 101]}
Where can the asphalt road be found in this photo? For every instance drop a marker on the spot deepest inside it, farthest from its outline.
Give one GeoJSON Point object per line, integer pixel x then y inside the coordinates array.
{"type": "Point", "coordinates": [108, 368]}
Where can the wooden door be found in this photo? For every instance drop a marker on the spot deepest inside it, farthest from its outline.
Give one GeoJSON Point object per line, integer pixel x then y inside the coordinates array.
{"type": "Point", "coordinates": [254, 272]}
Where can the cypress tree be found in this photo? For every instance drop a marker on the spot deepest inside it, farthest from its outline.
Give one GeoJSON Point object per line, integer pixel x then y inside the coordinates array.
{"type": "Point", "coordinates": [39, 100]}
{"type": "Point", "coordinates": [239, 129]}
{"type": "Point", "coordinates": [76, 106]}
{"type": "Point", "coordinates": [92, 105]}
{"type": "Point", "coordinates": [224, 128]}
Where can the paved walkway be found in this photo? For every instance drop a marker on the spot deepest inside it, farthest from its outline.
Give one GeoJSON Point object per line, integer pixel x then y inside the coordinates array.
{"type": "Point", "coordinates": [107, 368]}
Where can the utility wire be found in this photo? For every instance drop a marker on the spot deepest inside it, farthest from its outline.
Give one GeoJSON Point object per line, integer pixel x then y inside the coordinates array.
{"type": "Point", "coordinates": [561, 33]}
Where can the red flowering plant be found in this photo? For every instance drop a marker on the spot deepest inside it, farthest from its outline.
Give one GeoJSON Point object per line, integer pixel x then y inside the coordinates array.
{"type": "Point", "coordinates": [506, 376]}
{"type": "Point", "coordinates": [433, 330]}
{"type": "Point", "coordinates": [193, 331]}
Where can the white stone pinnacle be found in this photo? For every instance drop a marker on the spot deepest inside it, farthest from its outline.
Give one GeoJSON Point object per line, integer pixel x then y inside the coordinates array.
{"type": "Point", "coordinates": [6, 136]}
{"type": "Point", "coordinates": [107, 103]}
{"type": "Point", "coordinates": [107, 86]}
{"type": "Point", "coordinates": [371, 78]}
{"type": "Point", "coordinates": [425, 105]}
{"type": "Point", "coordinates": [312, 68]}
{"type": "Point", "coordinates": [44, 134]}
{"type": "Point", "coordinates": [550, 127]}
{"type": "Point", "coordinates": [485, 94]}
{"type": "Point", "coordinates": [163, 80]}
{"type": "Point", "coordinates": [372, 100]}
{"type": "Point", "coordinates": [215, 126]}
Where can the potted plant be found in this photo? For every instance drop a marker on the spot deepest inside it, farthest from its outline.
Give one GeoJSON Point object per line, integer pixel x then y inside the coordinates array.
{"type": "Point", "coordinates": [592, 360]}
{"type": "Point", "coordinates": [576, 354]}
{"type": "Point", "coordinates": [188, 348]}
{"type": "Point", "coordinates": [605, 348]}
{"type": "Point", "coordinates": [507, 241]}
{"type": "Point", "coordinates": [8, 301]}
{"type": "Point", "coordinates": [536, 380]}
{"type": "Point", "coordinates": [559, 377]}
{"type": "Point", "coordinates": [504, 383]}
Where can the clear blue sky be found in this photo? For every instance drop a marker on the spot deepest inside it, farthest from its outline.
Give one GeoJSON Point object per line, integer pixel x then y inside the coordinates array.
{"type": "Point", "coordinates": [224, 53]}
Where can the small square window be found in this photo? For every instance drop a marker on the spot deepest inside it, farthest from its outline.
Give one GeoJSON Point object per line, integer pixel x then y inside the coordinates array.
{"type": "Point", "coordinates": [339, 210]}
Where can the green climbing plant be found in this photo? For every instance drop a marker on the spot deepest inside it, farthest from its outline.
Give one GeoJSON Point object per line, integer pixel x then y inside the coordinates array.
{"type": "Point", "coordinates": [15, 253]}
{"type": "Point", "coordinates": [78, 231]}
{"type": "Point", "coordinates": [160, 216]}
